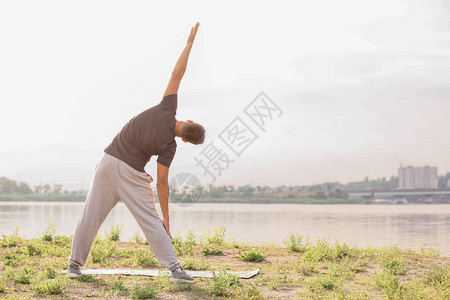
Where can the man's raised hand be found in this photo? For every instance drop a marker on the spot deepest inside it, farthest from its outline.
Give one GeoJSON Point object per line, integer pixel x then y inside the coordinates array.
{"type": "Point", "coordinates": [191, 37]}
{"type": "Point", "coordinates": [180, 66]}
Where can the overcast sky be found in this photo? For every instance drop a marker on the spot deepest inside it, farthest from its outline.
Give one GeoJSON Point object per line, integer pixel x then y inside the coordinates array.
{"type": "Point", "coordinates": [363, 86]}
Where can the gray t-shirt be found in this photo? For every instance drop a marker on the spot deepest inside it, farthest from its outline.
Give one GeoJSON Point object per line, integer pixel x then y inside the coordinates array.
{"type": "Point", "coordinates": [151, 132]}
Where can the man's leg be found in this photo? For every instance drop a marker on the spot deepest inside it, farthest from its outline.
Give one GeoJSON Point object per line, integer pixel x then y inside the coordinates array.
{"type": "Point", "coordinates": [135, 191]}
{"type": "Point", "coordinates": [102, 197]}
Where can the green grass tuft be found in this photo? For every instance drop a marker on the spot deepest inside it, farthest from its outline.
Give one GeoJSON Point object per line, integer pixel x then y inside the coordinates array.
{"type": "Point", "coordinates": [196, 264]}
{"type": "Point", "coordinates": [118, 288]}
{"type": "Point", "coordinates": [34, 249]}
{"type": "Point", "coordinates": [114, 233]}
{"type": "Point", "coordinates": [11, 240]}
{"type": "Point", "coordinates": [216, 237]}
{"type": "Point", "coordinates": [49, 273]}
{"type": "Point", "coordinates": [390, 284]}
{"type": "Point", "coordinates": [438, 276]}
{"type": "Point", "coordinates": [10, 258]}
{"type": "Point", "coordinates": [212, 251]}
{"type": "Point", "coordinates": [186, 246]}
{"type": "Point", "coordinates": [101, 250]}
{"type": "Point", "coordinates": [321, 251]}
{"type": "Point", "coordinates": [396, 267]}
{"type": "Point", "coordinates": [307, 268]}
{"type": "Point", "coordinates": [145, 258]}
{"type": "Point", "coordinates": [296, 243]}
{"type": "Point", "coordinates": [222, 283]}
{"type": "Point", "coordinates": [86, 278]}
{"type": "Point", "coordinates": [253, 256]}
{"type": "Point", "coordinates": [341, 250]}
{"type": "Point", "coordinates": [49, 233]}
{"type": "Point", "coordinates": [143, 292]}
{"type": "Point", "coordinates": [25, 275]}
{"type": "Point", "coordinates": [2, 285]}
{"type": "Point", "coordinates": [51, 286]}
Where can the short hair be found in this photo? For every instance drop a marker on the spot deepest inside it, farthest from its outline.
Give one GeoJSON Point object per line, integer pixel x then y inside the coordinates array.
{"type": "Point", "coordinates": [193, 133]}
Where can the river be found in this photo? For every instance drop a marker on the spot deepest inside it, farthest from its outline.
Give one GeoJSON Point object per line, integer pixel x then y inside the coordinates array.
{"type": "Point", "coordinates": [408, 226]}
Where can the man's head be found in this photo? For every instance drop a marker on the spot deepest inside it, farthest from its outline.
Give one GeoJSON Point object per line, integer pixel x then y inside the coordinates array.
{"type": "Point", "coordinates": [193, 133]}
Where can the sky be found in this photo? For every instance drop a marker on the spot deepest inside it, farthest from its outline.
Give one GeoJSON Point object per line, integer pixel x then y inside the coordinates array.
{"type": "Point", "coordinates": [363, 87]}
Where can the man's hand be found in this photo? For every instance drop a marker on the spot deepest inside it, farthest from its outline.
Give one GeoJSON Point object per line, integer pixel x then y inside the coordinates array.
{"type": "Point", "coordinates": [191, 37]}
{"type": "Point", "coordinates": [162, 186]}
{"type": "Point", "coordinates": [180, 66]}
{"type": "Point", "coordinates": [166, 226]}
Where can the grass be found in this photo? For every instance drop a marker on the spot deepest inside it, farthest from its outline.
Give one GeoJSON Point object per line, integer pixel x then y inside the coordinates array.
{"type": "Point", "coordinates": [101, 250]}
{"type": "Point", "coordinates": [195, 264]}
{"type": "Point", "coordinates": [51, 286]}
{"type": "Point", "coordinates": [222, 283]}
{"type": "Point", "coordinates": [114, 233]}
{"type": "Point", "coordinates": [212, 251]}
{"type": "Point", "coordinates": [438, 276]}
{"type": "Point", "coordinates": [184, 246]}
{"type": "Point", "coordinates": [147, 292]}
{"type": "Point", "coordinates": [2, 285]}
{"type": "Point", "coordinates": [303, 269]}
{"type": "Point", "coordinates": [86, 278]}
{"type": "Point", "coordinates": [296, 242]}
{"type": "Point", "coordinates": [145, 258]}
{"type": "Point", "coordinates": [49, 233]}
{"type": "Point", "coordinates": [11, 240]}
{"type": "Point", "coordinates": [215, 236]}
{"type": "Point", "coordinates": [395, 266]}
{"type": "Point", "coordinates": [24, 276]}
{"type": "Point", "coordinates": [118, 288]}
{"type": "Point", "coordinates": [254, 256]}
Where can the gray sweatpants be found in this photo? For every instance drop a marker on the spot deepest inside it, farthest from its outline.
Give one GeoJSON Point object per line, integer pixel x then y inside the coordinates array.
{"type": "Point", "coordinates": [114, 180]}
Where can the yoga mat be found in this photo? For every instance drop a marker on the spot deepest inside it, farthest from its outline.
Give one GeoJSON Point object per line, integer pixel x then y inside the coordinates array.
{"type": "Point", "coordinates": [205, 274]}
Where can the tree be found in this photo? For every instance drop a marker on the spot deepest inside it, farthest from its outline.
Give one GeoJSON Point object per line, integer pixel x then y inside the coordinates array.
{"type": "Point", "coordinates": [339, 194]}
{"type": "Point", "coordinates": [38, 189]}
{"type": "Point", "coordinates": [246, 190]}
{"type": "Point", "coordinates": [57, 188]}
{"type": "Point", "coordinates": [46, 188]}
{"type": "Point", "coordinates": [8, 186]}
{"type": "Point", "coordinates": [217, 192]}
{"type": "Point", "coordinates": [329, 186]}
{"type": "Point", "coordinates": [24, 188]}
{"type": "Point", "coordinates": [320, 195]}
{"type": "Point", "coordinates": [259, 189]}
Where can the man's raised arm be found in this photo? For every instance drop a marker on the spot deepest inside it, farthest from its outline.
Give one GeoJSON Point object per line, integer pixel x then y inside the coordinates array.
{"type": "Point", "coordinates": [180, 67]}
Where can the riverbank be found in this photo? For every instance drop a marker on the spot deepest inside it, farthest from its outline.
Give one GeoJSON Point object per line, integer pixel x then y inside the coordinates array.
{"type": "Point", "coordinates": [29, 268]}
{"type": "Point", "coordinates": [42, 198]}
{"type": "Point", "coordinates": [178, 199]}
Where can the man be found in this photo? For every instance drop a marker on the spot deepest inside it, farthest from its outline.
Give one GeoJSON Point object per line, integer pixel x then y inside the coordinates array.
{"type": "Point", "coordinates": [120, 175]}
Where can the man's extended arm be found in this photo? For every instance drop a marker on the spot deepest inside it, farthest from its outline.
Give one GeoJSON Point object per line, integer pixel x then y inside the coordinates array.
{"type": "Point", "coordinates": [180, 67]}
{"type": "Point", "coordinates": [162, 186]}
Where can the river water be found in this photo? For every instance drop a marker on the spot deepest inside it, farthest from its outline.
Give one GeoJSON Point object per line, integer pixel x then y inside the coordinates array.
{"type": "Point", "coordinates": [407, 226]}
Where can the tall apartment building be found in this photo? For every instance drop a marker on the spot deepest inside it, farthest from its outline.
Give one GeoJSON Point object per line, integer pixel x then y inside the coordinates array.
{"type": "Point", "coordinates": [417, 177]}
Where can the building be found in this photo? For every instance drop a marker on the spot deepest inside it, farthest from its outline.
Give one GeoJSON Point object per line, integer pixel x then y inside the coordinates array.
{"type": "Point", "coordinates": [417, 177]}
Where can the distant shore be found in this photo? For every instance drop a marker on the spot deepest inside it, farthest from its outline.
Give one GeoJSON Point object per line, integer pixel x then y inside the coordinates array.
{"type": "Point", "coordinates": [178, 199]}
{"type": "Point", "coordinates": [175, 199]}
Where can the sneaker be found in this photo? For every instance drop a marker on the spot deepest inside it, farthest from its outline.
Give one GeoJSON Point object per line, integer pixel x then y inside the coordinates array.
{"type": "Point", "coordinates": [73, 271]}
{"type": "Point", "coordinates": [179, 275]}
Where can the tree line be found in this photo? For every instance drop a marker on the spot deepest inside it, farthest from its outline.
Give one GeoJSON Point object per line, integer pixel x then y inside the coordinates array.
{"type": "Point", "coordinates": [10, 186]}
{"type": "Point", "coordinates": [319, 191]}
